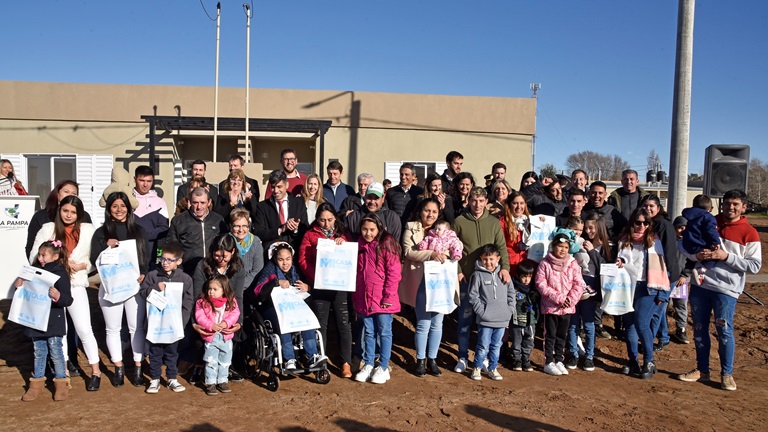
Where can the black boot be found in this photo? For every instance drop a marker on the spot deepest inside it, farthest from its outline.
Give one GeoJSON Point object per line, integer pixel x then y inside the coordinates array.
{"type": "Point", "coordinates": [138, 377]}
{"type": "Point", "coordinates": [433, 369]}
{"type": "Point", "coordinates": [119, 378]}
{"type": "Point", "coordinates": [94, 383]}
{"type": "Point", "coordinates": [649, 369]}
{"type": "Point", "coordinates": [633, 368]}
{"type": "Point", "coordinates": [73, 370]}
{"type": "Point", "coordinates": [421, 367]}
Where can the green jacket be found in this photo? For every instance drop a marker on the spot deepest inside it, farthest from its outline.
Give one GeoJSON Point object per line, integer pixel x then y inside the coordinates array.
{"type": "Point", "coordinates": [476, 233]}
{"type": "Point", "coordinates": [615, 197]}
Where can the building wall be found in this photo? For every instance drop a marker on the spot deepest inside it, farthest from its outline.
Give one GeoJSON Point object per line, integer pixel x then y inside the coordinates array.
{"type": "Point", "coordinates": [368, 130]}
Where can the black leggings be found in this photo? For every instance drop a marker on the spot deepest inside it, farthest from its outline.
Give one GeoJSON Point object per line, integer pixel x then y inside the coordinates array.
{"type": "Point", "coordinates": [321, 303]}
{"type": "Point", "coordinates": [555, 332]}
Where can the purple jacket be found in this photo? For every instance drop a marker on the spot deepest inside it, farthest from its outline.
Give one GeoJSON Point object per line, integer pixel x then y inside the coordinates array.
{"type": "Point", "coordinates": [377, 280]}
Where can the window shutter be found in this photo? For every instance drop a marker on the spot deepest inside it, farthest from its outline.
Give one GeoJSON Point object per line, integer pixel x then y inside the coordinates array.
{"type": "Point", "coordinates": [94, 173]}
{"type": "Point", "coordinates": [440, 167]}
{"type": "Point", "coordinates": [392, 172]}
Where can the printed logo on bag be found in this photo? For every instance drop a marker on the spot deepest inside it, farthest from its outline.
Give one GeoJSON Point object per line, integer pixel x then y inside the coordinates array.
{"type": "Point", "coordinates": [334, 262]}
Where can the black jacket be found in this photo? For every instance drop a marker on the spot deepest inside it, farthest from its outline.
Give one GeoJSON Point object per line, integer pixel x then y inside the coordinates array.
{"type": "Point", "coordinates": [266, 222]}
{"type": "Point", "coordinates": [352, 202]}
{"type": "Point", "coordinates": [403, 203]}
{"type": "Point", "coordinates": [389, 218]}
{"type": "Point", "coordinates": [614, 221]}
{"type": "Point", "coordinates": [195, 236]}
{"type": "Point", "coordinates": [153, 279]}
{"type": "Point", "coordinates": [57, 322]}
{"type": "Point", "coordinates": [183, 191]}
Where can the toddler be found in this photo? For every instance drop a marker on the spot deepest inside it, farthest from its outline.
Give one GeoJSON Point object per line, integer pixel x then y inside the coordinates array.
{"type": "Point", "coordinates": [494, 304]}
{"type": "Point", "coordinates": [442, 239]}
{"type": "Point", "coordinates": [522, 327]}
{"type": "Point", "coordinates": [701, 231]}
{"type": "Point", "coordinates": [217, 311]}
{"type": "Point", "coordinates": [48, 343]}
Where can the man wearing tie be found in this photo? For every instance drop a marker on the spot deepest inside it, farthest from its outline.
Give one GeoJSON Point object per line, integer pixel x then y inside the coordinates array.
{"type": "Point", "coordinates": [282, 217]}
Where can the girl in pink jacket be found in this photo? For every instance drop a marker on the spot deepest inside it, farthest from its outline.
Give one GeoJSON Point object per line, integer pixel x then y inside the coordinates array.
{"type": "Point", "coordinates": [217, 310]}
{"type": "Point", "coordinates": [376, 298]}
{"type": "Point", "coordinates": [561, 285]}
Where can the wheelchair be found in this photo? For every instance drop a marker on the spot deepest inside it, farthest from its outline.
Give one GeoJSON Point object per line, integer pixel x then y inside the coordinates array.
{"type": "Point", "coordinates": [264, 355]}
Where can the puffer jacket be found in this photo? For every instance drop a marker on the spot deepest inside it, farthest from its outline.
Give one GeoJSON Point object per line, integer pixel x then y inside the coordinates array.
{"type": "Point", "coordinates": [492, 300]}
{"type": "Point", "coordinates": [556, 282]}
{"type": "Point", "coordinates": [81, 254]}
{"type": "Point", "coordinates": [377, 280]}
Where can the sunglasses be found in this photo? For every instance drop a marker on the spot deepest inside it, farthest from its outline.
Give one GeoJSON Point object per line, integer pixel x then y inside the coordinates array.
{"type": "Point", "coordinates": [643, 223]}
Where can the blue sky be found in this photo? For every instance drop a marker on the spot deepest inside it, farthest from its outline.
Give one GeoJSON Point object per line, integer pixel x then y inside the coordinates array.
{"type": "Point", "coordinates": [606, 67]}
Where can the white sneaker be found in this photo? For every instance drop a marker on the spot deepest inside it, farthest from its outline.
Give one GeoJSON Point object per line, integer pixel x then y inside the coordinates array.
{"type": "Point", "coordinates": [551, 369]}
{"type": "Point", "coordinates": [461, 366]}
{"type": "Point", "coordinates": [290, 364]}
{"type": "Point", "coordinates": [561, 367]}
{"type": "Point", "coordinates": [476, 374]}
{"type": "Point", "coordinates": [176, 386]}
{"type": "Point", "coordinates": [486, 362]}
{"type": "Point", "coordinates": [364, 373]}
{"type": "Point", "coordinates": [154, 386]}
{"type": "Point", "coordinates": [495, 375]}
{"type": "Point", "coordinates": [317, 359]}
{"type": "Point", "coordinates": [380, 376]}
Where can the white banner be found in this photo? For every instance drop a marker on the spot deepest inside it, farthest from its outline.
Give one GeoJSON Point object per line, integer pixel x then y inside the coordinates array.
{"type": "Point", "coordinates": [440, 281]}
{"type": "Point", "coordinates": [541, 235]}
{"type": "Point", "coordinates": [618, 290]}
{"type": "Point", "coordinates": [31, 306]}
{"type": "Point", "coordinates": [166, 326]}
{"type": "Point", "coordinates": [293, 315]}
{"type": "Point", "coordinates": [119, 271]}
{"type": "Point", "coordinates": [336, 266]}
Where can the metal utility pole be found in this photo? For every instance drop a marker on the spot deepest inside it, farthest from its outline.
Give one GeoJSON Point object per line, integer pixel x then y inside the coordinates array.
{"type": "Point", "coordinates": [535, 89]}
{"type": "Point", "coordinates": [247, 10]}
{"type": "Point", "coordinates": [681, 110]}
{"type": "Point", "coordinates": [216, 86]}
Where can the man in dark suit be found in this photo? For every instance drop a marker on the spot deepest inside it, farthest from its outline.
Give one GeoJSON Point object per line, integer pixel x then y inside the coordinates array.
{"type": "Point", "coordinates": [251, 187]}
{"type": "Point", "coordinates": [402, 199]}
{"type": "Point", "coordinates": [198, 173]}
{"type": "Point", "coordinates": [282, 217]}
{"type": "Point", "coordinates": [454, 160]}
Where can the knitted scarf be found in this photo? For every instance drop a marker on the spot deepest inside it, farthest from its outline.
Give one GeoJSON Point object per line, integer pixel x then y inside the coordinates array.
{"type": "Point", "coordinates": [558, 264]}
{"type": "Point", "coordinates": [244, 245]}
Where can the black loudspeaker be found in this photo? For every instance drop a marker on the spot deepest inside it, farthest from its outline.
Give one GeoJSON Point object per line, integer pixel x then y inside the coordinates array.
{"type": "Point", "coordinates": [725, 168]}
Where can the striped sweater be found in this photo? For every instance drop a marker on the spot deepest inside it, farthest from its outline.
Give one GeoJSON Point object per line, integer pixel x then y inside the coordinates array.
{"type": "Point", "coordinates": [742, 243]}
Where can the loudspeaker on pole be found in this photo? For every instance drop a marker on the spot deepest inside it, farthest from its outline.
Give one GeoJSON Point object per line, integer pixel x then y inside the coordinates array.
{"type": "Point", "coordinates": [725, 168]}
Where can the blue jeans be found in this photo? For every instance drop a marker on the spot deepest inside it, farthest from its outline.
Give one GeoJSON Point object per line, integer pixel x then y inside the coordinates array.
{"type": "Point", "coordinates": [585, 312]}
{"type": "Point", "coordinates": [466, 318]}
{"type": "Point", "coordinates": [377, 325]}
{"type": "Point", "coordinates": [286, 340]}
{"type": "Point", "coordinates": [703, 304]}
{"type": "Point", "coordinates": [637, 324]}
{"type": "Point", "coordinates": [217, 357]}
{"type": "Point", "coordinates": [45, 346]}
{"type": "Point", "coordinates": [429, 327]}
{"type": "Point", "coordinates": [488, 345]}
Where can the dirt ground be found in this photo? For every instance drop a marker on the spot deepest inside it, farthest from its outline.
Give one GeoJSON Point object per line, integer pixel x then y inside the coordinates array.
{"type": "Point", "coordinates": [583, 401]}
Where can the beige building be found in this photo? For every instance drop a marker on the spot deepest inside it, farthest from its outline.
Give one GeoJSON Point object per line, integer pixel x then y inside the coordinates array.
{"type": "Point", "coordinates": [54, 131]}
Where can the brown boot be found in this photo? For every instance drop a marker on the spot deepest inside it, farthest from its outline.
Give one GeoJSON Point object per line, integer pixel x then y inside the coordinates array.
{"type": "Point", "coordinates": [62, 389]}
{"type": "Point", "coordinates": [35, 389]}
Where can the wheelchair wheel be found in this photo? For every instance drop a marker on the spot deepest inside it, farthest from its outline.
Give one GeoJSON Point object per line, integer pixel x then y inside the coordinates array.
{"type": "Point", "coordinates": [273, 382]}
{"type": "Point", "coordinates": [256, 357]}
{"type": "Point", "coordinates": [323, 376]}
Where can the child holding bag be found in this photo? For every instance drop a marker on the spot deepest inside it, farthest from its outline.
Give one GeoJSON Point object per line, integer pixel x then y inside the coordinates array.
{"type": "Point", "coordinates": [51, 258]}
{"type": "Point", "coordinates": [217, 310]}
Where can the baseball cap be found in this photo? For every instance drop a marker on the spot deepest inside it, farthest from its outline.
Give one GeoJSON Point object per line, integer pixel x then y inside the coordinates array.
{"type": "Point", "coordinates": [375, 188]}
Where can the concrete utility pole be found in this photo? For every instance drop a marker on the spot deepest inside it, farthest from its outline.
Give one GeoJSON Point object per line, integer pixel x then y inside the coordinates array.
{"type": "Point", "coordinates": [535, 87]}
{"type": "Point", "coordinates": [681, 110]}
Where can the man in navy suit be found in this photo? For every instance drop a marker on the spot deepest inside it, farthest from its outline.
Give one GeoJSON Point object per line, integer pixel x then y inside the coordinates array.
{"type": "Point", "coordinates": [282, 217]}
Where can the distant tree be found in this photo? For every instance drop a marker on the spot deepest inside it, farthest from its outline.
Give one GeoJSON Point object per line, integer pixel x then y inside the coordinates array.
{"type": "Point", "coordinates": [757, 182]}
{"type": "Point", "coordinates": [598, 166]}
{"type": "Point", "coordinates": [547, 170]}
{"type": "Point", "coordinates": [695, 177]}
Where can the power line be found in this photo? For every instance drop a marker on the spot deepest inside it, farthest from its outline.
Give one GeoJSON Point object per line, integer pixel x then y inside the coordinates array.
{"type": "Point", "coordinates": [206, 11]}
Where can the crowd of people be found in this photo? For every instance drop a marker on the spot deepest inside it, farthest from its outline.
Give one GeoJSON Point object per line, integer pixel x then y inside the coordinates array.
{"type": "Point", "coordinates": [230, 249]}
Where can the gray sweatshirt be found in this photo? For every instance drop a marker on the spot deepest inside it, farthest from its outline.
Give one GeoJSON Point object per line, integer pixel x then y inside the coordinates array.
{"type": "Point", "coordinates": [492, 300]}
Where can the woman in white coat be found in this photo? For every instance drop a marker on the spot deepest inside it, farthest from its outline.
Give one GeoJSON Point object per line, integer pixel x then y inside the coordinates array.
{"type": "Point", "coordinates": [76, 236]}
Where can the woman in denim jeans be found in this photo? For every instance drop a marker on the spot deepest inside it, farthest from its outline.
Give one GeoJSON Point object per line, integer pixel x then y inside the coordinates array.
{"type": "Point", "coordinates": [412, 290]}
{"type": "Point", "coordinates": [640, 251]}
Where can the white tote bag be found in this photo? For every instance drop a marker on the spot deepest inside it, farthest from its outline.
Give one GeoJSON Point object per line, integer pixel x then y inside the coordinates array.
{"type": "Point", "coordinates": [31, 305]}
{"type": "Point", "coordinates": [166, 326]}
{"type": "Point", "coordinates": [118, 269]}
{"type": "Point", "coordinates": [440, 281]}
{"type": "Point", "coordinates": [618, 290]}
{"type": "Point", "coordinates": [336, 266]}
{"type": "Point", "coordinates": [293, 315]}
{"type": "Point", "coordinates": [541, 236]}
